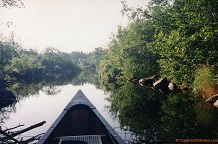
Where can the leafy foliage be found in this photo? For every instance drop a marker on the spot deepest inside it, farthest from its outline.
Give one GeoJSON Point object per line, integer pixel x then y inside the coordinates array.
{"type": "Point", "coordinates": [128, 54]}
{"type": "Point", "coordinates": [186, 36]}
{"type": "Point", "coordinates": [204, 82]}
{"type": "Point", "coordinates": [170, 37]}
{"type": "Point", "coordinates": [17, 63]}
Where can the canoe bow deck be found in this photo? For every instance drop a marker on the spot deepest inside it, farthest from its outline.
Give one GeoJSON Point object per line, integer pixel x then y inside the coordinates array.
{"type": "Point", "coordinates": [80, 123]}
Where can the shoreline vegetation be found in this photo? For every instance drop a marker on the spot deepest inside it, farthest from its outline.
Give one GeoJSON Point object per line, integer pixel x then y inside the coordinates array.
{"type": "Point", "coordinates": [177, 40]}
{"type": "Point", "coordinates": [174, 39]}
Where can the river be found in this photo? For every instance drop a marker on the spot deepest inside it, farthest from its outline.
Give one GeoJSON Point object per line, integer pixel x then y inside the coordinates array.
{"type": "Point", "coordinates": [48, 103]}
{"type": "Point", "coordinates": [132, 110]}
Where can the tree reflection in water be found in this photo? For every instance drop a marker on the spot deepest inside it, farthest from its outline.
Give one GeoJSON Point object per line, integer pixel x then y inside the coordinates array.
{"type": "Point", "coordinates": [50, 85]}
{"type": "Point", "coordinates": [51, 90]}
{"type": "Point", "coordinates": [26, 88]}
{"type": "Point", "coordinates": [148, 114]}
{"type": "Point", "coordinates": [5, 112]}
{"type": "Point", "coordinates": [152, 115]}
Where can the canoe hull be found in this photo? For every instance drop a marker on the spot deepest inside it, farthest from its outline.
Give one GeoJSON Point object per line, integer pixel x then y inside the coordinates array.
{"type": "Point", "coordinates": [80, 118]}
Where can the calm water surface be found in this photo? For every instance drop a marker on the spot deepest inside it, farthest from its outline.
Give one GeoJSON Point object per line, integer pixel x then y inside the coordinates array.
{"type": "Point", "coordinates": [147, 113]}
{"type": "Point", "coordinates": [42, 107]}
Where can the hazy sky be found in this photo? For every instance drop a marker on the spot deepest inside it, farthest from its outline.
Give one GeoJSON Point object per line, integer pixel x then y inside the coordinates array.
{"type": "Point", "coordinates": [69, 25]}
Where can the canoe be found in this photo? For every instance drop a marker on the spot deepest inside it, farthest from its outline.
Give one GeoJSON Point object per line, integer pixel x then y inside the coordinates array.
{"type": "Point", "coordinates": [80, 123]}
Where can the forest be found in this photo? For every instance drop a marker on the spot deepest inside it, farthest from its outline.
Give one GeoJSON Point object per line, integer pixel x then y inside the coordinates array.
{"type": "Point", "coordinates": [176, 39]}
{"type": "Point", "coordinates": [19, 64]}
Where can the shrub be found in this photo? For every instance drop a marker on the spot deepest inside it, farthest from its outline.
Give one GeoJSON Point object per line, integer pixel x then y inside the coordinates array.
{"type": "Point", "coordinates": [204, 82]}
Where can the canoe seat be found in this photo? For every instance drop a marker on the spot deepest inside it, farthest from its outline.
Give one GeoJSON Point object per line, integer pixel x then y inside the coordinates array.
{"type": "Point", "coordinates": [83, 139]}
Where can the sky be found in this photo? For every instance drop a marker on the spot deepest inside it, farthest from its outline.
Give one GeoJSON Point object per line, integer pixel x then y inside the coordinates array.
{"type": "Point", "coordinates": [68, 25]}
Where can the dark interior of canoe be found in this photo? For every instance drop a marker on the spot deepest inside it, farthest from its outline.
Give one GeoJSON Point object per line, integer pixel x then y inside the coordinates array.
{"type": "Point", "coordinates": [79, 120]}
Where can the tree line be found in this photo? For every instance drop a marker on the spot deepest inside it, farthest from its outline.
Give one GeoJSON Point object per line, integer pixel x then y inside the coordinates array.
{"type": "Point", "coordinates": [176, 39]}
{"type": "Point", "coordinates": [19, 64]}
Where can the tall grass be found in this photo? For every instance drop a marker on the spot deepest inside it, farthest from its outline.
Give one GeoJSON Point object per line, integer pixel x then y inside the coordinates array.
{"type": "Point", "coordinates": [204, 82]}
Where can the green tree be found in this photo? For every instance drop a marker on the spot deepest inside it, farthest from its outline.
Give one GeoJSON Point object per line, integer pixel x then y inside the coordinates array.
{"type": "Point", "coordinates": [7, 53]}
{"type": "Point", "coordinates": [186, 36]}
{"type": "Point", "coordinates": [128, 53]}
{"type": "Point", "coordinates": [56, 62]}
{"type": "Point", "coordinates": [24, 66]}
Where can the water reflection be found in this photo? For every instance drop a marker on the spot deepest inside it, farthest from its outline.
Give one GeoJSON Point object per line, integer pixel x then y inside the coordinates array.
{"type": "Point", "coordinates": [51, 90]}
{"type": "Point", "coordinates": [6, 111]}
{"type": "Point", "coordinates": [152, 115]}
{"type": "Point", "coordinates": [44, 101]}
{"type": "Point", "coordinates": [49, 84]}
{"type": "Point", "coordinates": [134, 111]}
